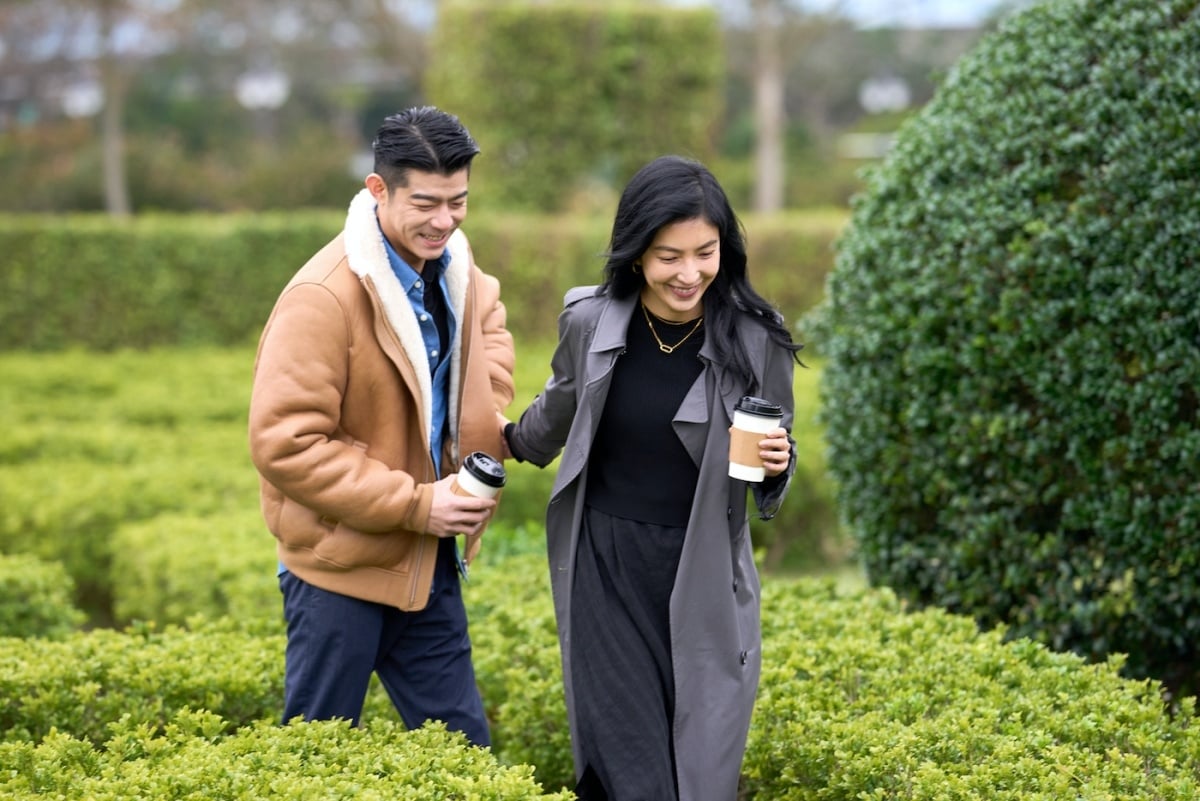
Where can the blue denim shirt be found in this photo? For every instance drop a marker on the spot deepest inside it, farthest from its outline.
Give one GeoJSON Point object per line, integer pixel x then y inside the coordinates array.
{"type": "Point", "coordinates": [413, 285]}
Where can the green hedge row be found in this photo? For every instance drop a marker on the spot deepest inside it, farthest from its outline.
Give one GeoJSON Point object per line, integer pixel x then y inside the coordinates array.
{"type": "Point", "coordinates": [92, 282]}
{"type": "Point", "coordinates": [860, 699]}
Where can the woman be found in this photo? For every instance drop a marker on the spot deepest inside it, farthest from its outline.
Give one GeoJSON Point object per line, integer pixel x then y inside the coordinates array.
{"type": "Point", "coordinates": [655, 591]}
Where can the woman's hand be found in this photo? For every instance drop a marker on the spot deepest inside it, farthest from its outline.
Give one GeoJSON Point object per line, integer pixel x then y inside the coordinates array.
{"type": "Point", "coordinates": [775, 452]}
{"type": "Point", "coordinates": [505, 451]}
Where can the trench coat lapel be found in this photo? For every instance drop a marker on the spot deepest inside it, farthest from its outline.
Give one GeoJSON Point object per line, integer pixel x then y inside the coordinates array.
{"type": "Point", "coordinates": [691, 420]}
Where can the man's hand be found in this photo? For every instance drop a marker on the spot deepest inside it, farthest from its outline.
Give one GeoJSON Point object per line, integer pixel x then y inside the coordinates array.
{"type": "Point", "coordinates": [453, 514]}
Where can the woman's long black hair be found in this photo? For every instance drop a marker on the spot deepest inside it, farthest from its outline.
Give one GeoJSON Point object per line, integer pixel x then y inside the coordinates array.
{"type": "Point", "coordinates": [673, 189]}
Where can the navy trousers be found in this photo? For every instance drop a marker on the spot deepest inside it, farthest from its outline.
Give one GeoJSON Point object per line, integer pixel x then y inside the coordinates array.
{"type": "Point", "coordinates": [423, 659]}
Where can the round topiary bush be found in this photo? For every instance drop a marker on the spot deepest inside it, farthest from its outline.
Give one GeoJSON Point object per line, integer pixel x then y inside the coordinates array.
{"type": "Point", "coordinates": [1013, 339]}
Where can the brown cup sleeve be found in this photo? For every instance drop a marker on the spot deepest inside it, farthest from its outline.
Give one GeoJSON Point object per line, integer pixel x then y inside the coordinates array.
{"type": "Point", "coordinates": [743, 447]}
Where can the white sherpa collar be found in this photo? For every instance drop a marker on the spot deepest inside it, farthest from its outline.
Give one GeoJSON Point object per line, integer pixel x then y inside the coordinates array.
{"type": "Point", "coordinates": [367, 257]}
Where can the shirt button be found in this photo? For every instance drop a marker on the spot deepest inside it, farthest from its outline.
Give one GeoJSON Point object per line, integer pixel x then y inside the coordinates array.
{"type": "Point", "coordinates": [433, 354]}
{"type": "Point", "coordinates": [418, 284]}
{"type": "Point", "coordinates": [424, 318]}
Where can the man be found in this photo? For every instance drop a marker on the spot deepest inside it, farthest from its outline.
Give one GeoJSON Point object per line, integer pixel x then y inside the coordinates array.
{"type": "Point", "coordinates": [384, 363]}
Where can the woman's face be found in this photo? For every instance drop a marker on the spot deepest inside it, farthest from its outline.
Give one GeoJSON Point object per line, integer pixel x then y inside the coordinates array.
{"type": "Point", "coordinates": [679, 266]}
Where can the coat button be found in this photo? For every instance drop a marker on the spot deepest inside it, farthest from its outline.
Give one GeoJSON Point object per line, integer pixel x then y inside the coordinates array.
{"type": "Point", "coordinates": [735, 586]}
{"type": "Point", "coordinates": [743, 656]}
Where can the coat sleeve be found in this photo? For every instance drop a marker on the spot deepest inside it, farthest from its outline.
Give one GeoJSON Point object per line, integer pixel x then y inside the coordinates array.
{"type": "Point", "coordinates": [540, 434]}
{"type": "Point", "coordinates": [777, 385]}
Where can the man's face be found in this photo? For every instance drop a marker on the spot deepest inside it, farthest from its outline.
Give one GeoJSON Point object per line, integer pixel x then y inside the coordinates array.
{"type": "Point", "coordinates": [418, 219]}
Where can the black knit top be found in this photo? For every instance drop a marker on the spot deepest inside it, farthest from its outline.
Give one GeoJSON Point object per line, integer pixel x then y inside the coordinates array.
{"type": "Point", "coordinates": [639, 470]}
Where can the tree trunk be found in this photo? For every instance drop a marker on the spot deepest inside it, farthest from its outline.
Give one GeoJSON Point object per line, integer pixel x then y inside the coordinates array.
{"type": "Point", "coordinates": [112, 130]}
{"type": "Point", "coordinates": [769, 116]}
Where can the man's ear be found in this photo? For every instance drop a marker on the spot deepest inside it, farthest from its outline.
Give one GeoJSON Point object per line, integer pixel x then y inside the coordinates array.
{"type": "Point", "coordinates": [376, 186]}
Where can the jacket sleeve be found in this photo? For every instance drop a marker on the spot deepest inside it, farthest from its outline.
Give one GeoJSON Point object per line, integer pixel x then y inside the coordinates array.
{"type": "Point", "coordinates": [497, 339]}
{"type": "Point", "coordinates": [540, 434]}
{"type": "Point", "coordinates": [777, 386]}
{"type": "Point", "coordinates": [296, 439]}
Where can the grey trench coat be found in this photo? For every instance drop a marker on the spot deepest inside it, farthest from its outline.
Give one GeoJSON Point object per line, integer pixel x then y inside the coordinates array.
{"type": "Point", "coordinates": [714, 615]}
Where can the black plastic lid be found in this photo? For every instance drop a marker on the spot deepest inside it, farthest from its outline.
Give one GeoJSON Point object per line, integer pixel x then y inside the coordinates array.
{"type": "Point", "coordinates": [485, 468]}
{"type": "Point", "coordinates": [752, 405]}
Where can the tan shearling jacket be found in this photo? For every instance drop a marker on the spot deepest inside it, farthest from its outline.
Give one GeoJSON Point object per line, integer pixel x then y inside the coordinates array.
{"type": "Point", "coordinates": [341, 409]}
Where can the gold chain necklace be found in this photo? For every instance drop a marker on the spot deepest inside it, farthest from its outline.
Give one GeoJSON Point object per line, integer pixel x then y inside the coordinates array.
{"type": "Point", "coordinates": [664, 347]}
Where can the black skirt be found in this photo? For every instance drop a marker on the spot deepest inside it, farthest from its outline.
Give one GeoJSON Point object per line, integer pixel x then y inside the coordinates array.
{"type": "Point", "coordinates": [621, 671]}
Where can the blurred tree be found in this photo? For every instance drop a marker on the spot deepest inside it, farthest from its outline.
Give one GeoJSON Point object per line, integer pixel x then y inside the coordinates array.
{"type": "Point", "coordinates": [163, 76]}
{"type": "Point", "coordinates": [570, 99]}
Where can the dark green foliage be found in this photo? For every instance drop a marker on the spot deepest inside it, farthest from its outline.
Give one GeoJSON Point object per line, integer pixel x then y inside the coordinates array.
{"type": "Point", "coordinates": [567, 96]}
{"type": "Point", "coordinates": [1013, 333]}
{"type": "Point", "coordinates": [862, 701]}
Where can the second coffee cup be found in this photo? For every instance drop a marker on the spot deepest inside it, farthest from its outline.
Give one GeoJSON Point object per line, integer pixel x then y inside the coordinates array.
{"type": "Point", "coordinates": [753, 419]}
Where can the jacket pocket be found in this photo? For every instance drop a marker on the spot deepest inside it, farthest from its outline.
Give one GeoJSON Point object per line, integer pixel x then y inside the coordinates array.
{"type": "Point", "coordinates": [347, 547]}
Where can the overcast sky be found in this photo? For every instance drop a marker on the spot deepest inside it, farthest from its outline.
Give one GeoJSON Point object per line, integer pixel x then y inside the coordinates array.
{"type": "Point", "coordinates": [891, 13]}
{"type": "Point", "coordinates": [915, 13]}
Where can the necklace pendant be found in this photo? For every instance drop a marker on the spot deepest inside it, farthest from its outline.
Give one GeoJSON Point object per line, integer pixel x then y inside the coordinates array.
{"type": "Point", "coordinates": [666, 348]}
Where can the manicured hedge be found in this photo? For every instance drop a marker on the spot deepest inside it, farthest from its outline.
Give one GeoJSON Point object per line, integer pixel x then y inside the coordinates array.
{"type": "Point", "coordinates": [91, 282]}
{"type": "Point", "coordinates": [1012, 390]}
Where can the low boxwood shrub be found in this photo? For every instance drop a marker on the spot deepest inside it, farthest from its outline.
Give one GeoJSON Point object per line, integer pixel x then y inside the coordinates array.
{"type": "Point", "coordinates": [517, 664]}
{"type": "Point", "coordinates": [1013, 339]}
{"type": "Point", "coordinates": [87, 680]}
{"type": "Point", "coordinates": [193, 758]}
{"type": "Point", "coordinates": [36, 598]}
{"type": "Point", "coordinates": [173, 567]}
{"type": "Point", "coordinates": [862, 700]}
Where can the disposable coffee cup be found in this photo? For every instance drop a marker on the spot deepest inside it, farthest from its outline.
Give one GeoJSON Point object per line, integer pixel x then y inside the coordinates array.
{"type": "Point", "coordinates": [480, 475]}
{"type": "Point", "coordinates": [753, 419]}
{"type": "Point", "coordinates": [483, 477]}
